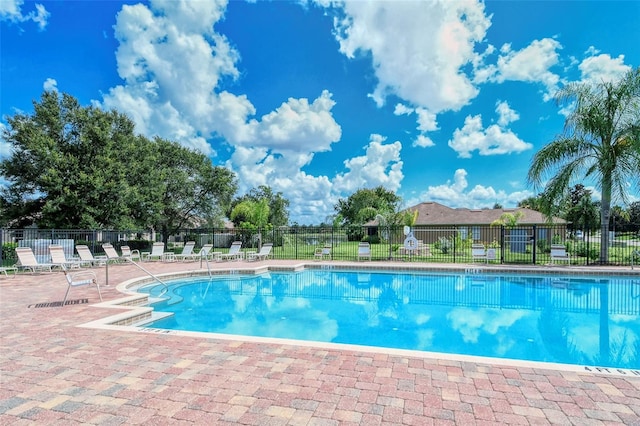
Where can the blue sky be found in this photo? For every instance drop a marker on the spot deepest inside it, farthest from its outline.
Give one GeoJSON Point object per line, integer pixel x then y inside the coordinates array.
{"type": "Point", "coordinates": [438, 101]}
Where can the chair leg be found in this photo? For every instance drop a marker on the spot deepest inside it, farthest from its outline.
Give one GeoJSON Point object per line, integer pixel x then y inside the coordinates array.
{"type": "Point", "coordinates": [65, 296]}
{"type": "Point", "coordinates": [99, 292]}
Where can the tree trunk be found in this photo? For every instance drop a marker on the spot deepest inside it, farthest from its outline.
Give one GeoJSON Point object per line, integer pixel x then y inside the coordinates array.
{"type": "Point", "coordinates": [605, 213]}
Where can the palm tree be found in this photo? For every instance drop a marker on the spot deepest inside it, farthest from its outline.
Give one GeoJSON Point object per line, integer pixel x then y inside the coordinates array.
{"type": "Point", "coordinates": [601, 140]}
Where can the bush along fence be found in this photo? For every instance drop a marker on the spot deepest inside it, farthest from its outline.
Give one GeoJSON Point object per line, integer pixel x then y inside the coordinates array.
{"type": "Point", "coordinates": [452, 244]}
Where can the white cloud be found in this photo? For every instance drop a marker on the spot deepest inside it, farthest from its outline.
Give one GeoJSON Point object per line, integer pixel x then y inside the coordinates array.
{"type": "Point", "coordinates": [422, 62]}
{"type": "Point", "coordinates": [455, 193]}
{"type": "Point", "coordinates": [493, 140]}
{"type": "Point", "coordinates": [11, 10]}
{"type": "Point", "coordinates": [50, 85]}
{"type": "Point", "coordinates": [426, 120]}
{"type": "Point", "coordinates": [299, 126]}
{"type": "Point", "coordinates": [401, 109]}
{"type": "Point", "coordinates": [423, 141]}
{"type": "Point", "coordinates": [172, 61]}
{"type": "Point", "coordinates": [598, 68]}
{"type": "Point", "coordinates": [531, 64]}
{"type": "Point", "coordinates": [380, 166]}
{"type": "Point", "coordinates": [505, 114]}
{"type": "Point", "coordinates": [311, 197]}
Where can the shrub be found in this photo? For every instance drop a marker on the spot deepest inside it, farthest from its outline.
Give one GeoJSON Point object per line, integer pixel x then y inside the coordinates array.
{"type": "Point", "coordinates": [372, 239]}
{"type": "Point", "coordinates": [443, 244]}
{"type": "Point", "coordinates": [589, 252]}
{"type": "Point", "coordinates": [354, 233]}
{"type": "Point", "coordinates": [543, 246]}
{"type": "Point", "coordinates": [9, 253]}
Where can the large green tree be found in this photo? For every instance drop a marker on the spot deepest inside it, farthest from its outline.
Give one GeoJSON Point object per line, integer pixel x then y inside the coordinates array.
{"type": "Point", "coordinates": [601, 141]}
{"type": "Point", "coordinates": [364, 204]}
{"type": "Point", "coordinates": [70, 166]}
{"type": "Point", "coordinates": [185, 187]}
{"type": "Point", "coordinates": [82, 167]}
{"type": "Point", "coordinates": [277, 205]}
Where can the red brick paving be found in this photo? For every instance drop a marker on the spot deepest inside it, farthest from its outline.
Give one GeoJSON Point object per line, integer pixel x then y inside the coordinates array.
{"type": "Point", "coordinates": [53, 372]}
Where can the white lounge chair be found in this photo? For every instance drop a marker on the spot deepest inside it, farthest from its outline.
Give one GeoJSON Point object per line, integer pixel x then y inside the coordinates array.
{"type": "Point", "coordinates": [27, 260]}
{"type": "Point", "coordinates": [86, 256]}
{"type": "Point", "coordinates": [111, 253]}
{"type": "Point", "coordinates": [234, 252]}
{"type": "Point", "coordinates": [157, 252]}
{"type": "Point", "coordinates": [59, 259]}
{"type": "Point", "coordinates": [187, 252]}
{"type": "Point", "coordinates": [322, 253]}
{"type": "Point", "coordinates": [559, 253]}
{"type": "Point", "coordinates": [478, 251]}
{"type": "Point", "coordinates": [132, 255]}
{"type": "Point", "coordinates": [263, 254]}
{"type": "Point", "coordinates": [206, 253]}
{"type": "Point", "coordinates": [364, 251]}
{"type": "Point", "coordinates": [76, 279]}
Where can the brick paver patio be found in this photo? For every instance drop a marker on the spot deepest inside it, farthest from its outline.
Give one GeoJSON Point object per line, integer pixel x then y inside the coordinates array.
{"type": "Point", "coordinates": [53, 372]}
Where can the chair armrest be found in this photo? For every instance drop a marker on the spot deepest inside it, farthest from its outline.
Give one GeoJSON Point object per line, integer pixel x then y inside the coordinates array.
{"type": "Point", "coordinates": [81, 277]}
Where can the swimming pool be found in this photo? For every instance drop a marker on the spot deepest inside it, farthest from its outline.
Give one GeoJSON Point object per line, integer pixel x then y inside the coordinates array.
{"type": "Point", "coordinates": [587, 320]}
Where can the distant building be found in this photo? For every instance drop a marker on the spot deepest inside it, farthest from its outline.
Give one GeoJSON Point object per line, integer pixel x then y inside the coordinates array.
{"type": "Point", "coordinates": [434, 218]}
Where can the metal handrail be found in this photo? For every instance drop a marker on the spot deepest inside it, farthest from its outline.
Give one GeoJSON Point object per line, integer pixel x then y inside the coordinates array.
{"type": "Point", "coordinates": [206, 259]}
{"type": "Point", "coordinates": [165, 287]}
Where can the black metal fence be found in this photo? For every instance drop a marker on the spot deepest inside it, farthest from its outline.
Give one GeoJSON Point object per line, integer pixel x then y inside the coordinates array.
{"type": "Point", "coordinates": [530, 244]}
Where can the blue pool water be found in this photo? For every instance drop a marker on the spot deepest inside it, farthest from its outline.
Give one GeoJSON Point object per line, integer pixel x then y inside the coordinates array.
{"type": "Point", "coordinates": [572, 320]}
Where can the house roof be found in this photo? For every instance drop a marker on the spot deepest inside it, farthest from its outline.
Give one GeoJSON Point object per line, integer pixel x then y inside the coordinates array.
{"type": "Point", "coordinates": [432, 213]}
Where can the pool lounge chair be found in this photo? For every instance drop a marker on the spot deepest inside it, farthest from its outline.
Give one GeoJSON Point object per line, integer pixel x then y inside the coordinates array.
{"type": "Point", "coordinates": [86, 256]}
{"type": "Point", "coordinates": [234, 252]}
{"type": "Point", "coordinates": [157, 252]}
{"type": "Point", "coordinates": [559, 253]}
{"type": "Point", "coordinates": [76, 279]}
{"type": "Point", "coordinates": [132, 255]}
{"type": "Point", "coordinates": [187, 252]}
{"type": "Point", "coordinates": [206, 253]}
{"type": "Point", "coordinates": [364, 251]}
{"type": "Point", "coordinates": [322, 253]}
{"type": "Point", "coordinates": [263, 254]}
{"type": "Point", "coordinates": [478, 251]}
{"type": "Point", "coordinates": [59, 259]}
{"type": "Point", "coordinates": [112, 254]}
{"type": "Point", "coordinates": [27, 260]}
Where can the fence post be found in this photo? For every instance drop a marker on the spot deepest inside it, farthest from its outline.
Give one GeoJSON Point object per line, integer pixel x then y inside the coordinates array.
{"type": "Point", "coordinates": [333, 228]}
{"type": "Point", "coordinates": [588, 252]}
{"type": "Point", "coordinates": [501, 244]}
{"type": "Point", "coordinates": [535, 243]}
{"type": "Point", "coordinates": [455, 237]}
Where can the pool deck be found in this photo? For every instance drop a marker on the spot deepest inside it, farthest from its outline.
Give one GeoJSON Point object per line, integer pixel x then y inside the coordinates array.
{"type": "Point", "coordinates": [55, 373]}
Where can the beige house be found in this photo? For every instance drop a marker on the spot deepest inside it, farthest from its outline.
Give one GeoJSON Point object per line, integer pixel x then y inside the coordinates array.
{"type": "Point", "coordinates": [436, 220]}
